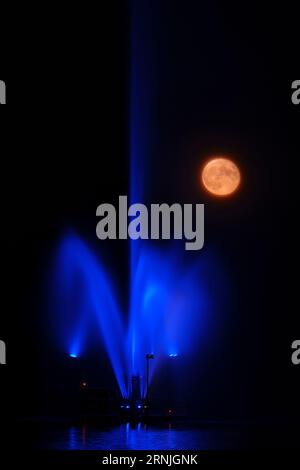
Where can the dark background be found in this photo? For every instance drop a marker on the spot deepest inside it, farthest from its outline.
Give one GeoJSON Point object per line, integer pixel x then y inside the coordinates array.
{"type": "Point", "coordinates": [226, 73]}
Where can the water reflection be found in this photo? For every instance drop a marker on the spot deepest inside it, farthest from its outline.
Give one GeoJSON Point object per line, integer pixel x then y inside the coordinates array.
{"type": "Point", "coordinates": [140, 436]}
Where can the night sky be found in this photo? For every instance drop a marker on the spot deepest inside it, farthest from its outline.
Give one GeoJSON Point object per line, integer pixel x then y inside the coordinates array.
{"type": "Point", "coordinates": [221, 79]}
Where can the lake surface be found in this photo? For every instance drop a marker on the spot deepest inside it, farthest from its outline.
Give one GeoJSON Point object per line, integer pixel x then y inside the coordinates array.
{"type": "Point", "coordinates": [140, 436]}
{"type": "Point", "coordinates": [185, 435]}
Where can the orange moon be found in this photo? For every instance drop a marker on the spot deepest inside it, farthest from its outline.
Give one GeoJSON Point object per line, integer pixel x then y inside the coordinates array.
{"type": "Point", "coordinates": [221, 176]}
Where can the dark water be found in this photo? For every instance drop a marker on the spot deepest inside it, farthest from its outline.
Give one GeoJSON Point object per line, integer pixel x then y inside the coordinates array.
{"type": "Point", "coordinates": [139, 437]}
{"type": "Point", "coordinates": [184, 435]}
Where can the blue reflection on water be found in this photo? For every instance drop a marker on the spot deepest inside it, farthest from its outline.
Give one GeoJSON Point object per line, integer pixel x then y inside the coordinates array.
{"type": "Point", "coordinates": [140, 436]}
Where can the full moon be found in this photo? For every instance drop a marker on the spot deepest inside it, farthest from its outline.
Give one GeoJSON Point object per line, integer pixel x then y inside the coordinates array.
{"type": "Point", "coordinates": [220, 176]}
